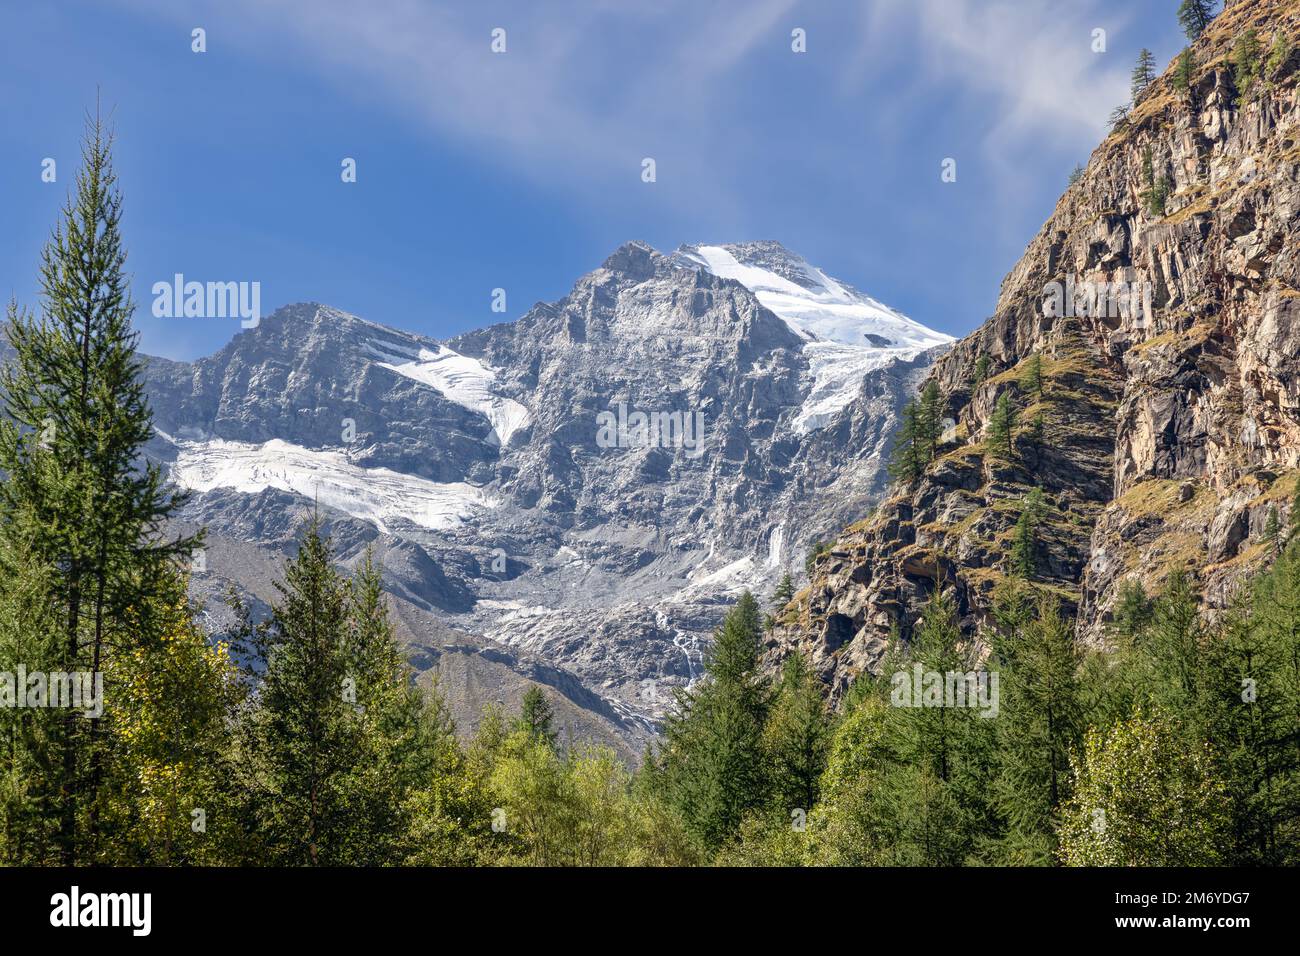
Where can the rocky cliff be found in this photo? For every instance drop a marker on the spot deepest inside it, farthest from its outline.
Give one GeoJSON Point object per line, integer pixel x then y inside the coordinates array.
{"type": "Point", "coordinates": [530, 531]}
{"type": "Point", "coordinates": [1162, 301]}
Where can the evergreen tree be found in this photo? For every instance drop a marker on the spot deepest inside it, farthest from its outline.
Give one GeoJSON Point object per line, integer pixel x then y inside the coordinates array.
{"type": "Point", "coordinates": [1031, 377]}
{"type": "Point", "coordinates": [1143, 73]}
{"type": "Point", "coordinates": [1194, 16]}
{"type": "Point", "coordinates": [910, 454]}
{"type": "Point", "coordinates": [796, 739]}
{"type": "Point", "coordinates": [714, 770]}
{"type": "Point", "coordinates": [80, 507]}
{"type": "Point", "coordinates": [1277, 55]}
{"type": "Point", "coordinates": [536, 718]}
{"type": "Point", "coordinates": [1294, 518]}
{"type": "Point", "coordinates": [1024, 542]}
{"type": "Point", "coordinates": [1246, 60]}
{"type": "Point", "coordinates": [1132, 611]}
{"type": "Point", "coordinates": [1185, 71]}
{"type": "Point", "coordinates": [930, 419]}
{"type": "Point", "coordinates": [1002, 427]}
{"type": "Point", "coordinates": [784, 592]}
{"type": "Point", "coordinates": [1039, 731]}
{"type": "Point", "coordinates": [1076, 174]}
{"type": "Point", "coordinates": [1273, 531]}
{"type": "Point", "coordinates": [982, 366]}
{"type": "Point", "coordinates": [1118, 118]}
{"type": "Point", "coordinates": [337, 738]}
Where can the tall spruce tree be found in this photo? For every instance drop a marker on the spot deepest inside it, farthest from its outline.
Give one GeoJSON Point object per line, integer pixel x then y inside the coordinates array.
{"type": "Point", "coordinates": [1194, 16]}
{"type": "Point", "coordinates": [1001, 428]}
{"type": "Point", "coordinates": [1039, 731]}
{"type": "Point", "coordinates": [537, 718]}
{"type": "Point", "coordinates": [714, 771]}
{"type": "Point", "coordinates": [1144, 71]}
{"type": "Point", "coordinates": [81, 509]}
{"type": "Point", "coordinates": [909, 455]}
{"type": "Point", "coordinates": [930, 419]}
{"type": "Point", "coordinates": [796, 739]}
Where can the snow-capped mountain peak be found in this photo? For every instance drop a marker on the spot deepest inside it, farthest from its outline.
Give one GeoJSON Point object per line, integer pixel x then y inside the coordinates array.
{"type": "Point", "coordinates": [817, 306]}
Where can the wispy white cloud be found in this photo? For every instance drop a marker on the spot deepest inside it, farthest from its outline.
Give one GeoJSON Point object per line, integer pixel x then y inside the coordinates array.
{"type": "Point", "coordinates": [1034, 58]}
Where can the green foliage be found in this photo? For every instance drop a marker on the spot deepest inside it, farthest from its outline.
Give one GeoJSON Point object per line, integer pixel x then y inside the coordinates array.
{"type": "Point", "coordinates": [714, 771]}
{"type": "Point", "coordinates": [1118, 118]}
{"type": "Point", "coordinates": [1076, 174]}
{"type": "Point", "coordinates": [784, 592]}
{"type": "Point", "coordinates": [1185, 71]}
{"type": "Point", "coordinates": [1278, 54]}
{"type": "Point", "coordinates": [1246, 61]}
{"type": "Point", "coordinates": [910, 453]}
{"type": "Point", "coordinates": [81, 508]}
{"type": "Point", "coordinates": [1144, 796]}
{"type": "Point", "coordinates": [1031, 377]}
{"type": "Point", "coordinates": [1273, 531]}
{"type": "Point", "coordinates": [1024, 541]}
{"type": "Point", "coordinates": [1144, 71]}
{"type": "Point", "coordinates": [816, 551]}
{"type": "Point", "coordinates": [795, 739]}
{"type": "Point", "coordinates": [1132, 610]}
{"type": "Point", "coordinates": [1040, 730]}
{"type": "Point", "coordinates": [982, 366]}
{"type": "Point", "coordinates": [536, 718]}
{"type": "Point", "coordinates": [1156, 193]}
{"type": "Point", "coordinates": [1001, 428]}
{"type": "Point", "coordinates": [1194, 16]}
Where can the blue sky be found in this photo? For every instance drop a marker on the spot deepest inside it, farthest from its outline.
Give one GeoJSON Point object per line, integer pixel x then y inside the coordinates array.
{"type": "Point", "coordinates": [522, 170]}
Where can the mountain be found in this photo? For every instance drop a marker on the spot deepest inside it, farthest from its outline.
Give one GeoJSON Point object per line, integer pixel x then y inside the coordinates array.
{"type": "Point", "coordinates": [1162, 302]}
{"type": "Point", "coordinates": [570, 499]}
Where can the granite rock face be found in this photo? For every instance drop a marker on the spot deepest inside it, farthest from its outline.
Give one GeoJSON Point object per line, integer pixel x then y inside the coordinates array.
{"type": "Point", "coordinates": [525, 516]}
{"type": "Point", "coordinates": [1170, 413]}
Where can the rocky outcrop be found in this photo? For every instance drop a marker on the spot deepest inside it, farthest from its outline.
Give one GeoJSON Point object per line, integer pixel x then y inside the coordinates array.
{"type": "Point", "coordinates": [1170, 419]}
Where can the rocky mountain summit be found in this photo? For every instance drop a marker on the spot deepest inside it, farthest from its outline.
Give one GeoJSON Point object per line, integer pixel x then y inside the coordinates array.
{"type": "Point", "coordinates": [572, 498]}
{"type": "Point", "coordinates": [1160, 308]}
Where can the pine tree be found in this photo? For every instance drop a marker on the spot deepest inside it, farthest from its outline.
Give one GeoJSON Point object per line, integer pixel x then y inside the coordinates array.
{"type": "Point", "coordinates": [1273, 531]}
{"type": "Point", "coordinates": [796, 739]}
{"type": "Point", "coordinates": [337, 738]}
{"type": "Point", "coordinates": [1294, 518]}
{"type": "Point", "coordinates": [1076, 174]}
{"type": "Point", "coordinates": [982, 366]}
{"type": "Point", "coordinates": [1246, 60]}
{"type": "Point", "coordinates": [909, 456]}
{"type": "Point", "coordinates": [1277, 56]}
{"type": "Point", "coordinates": [930, 419]}
{"type": "Point", "coordinates": [714, 771]}
{"type": "Point", "coordinates": [1185, 71]}
{"type": "Point", "coordinates": [1002, 427]}
{"type": "Point", "coordinates": [1039, 731]}
{"type": "Point", "coordinates": [1118, 118]}
{"type": "Point", "coordinates": [81, 507]}
{"type": "Point", "coordinates": [1031, 377]}
{"type": "Point", "coordinates": [1132, 611]}
{"type": "Point", "coordinates": [1143, 73]}
{"type": "Point", "coordinates": [784, 592]}
{"type": "Point", "coordinates": [536, 718]}
{"type": "Point", "coordinates": [1024, 542]}
{"type": "Point", "coordinates": [1194, 16]}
